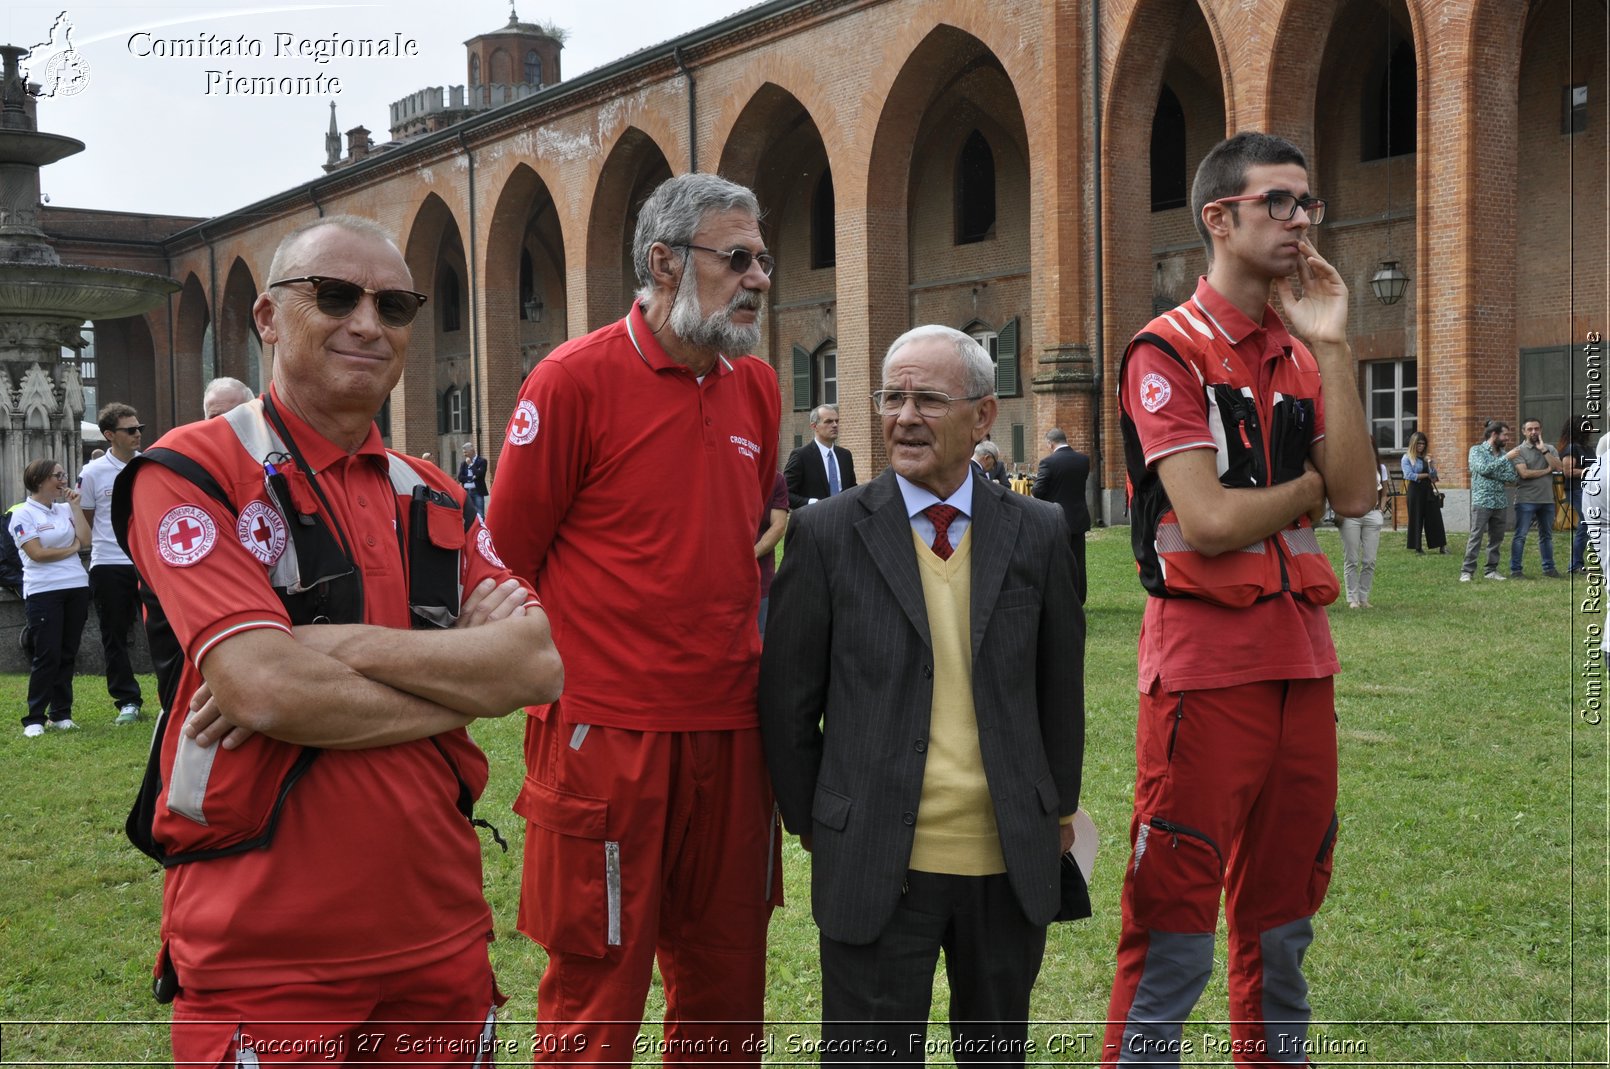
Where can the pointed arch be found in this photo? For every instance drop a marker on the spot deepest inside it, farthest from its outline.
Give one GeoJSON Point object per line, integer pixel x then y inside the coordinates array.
{"type": "Point", "coordinates": [634, 168]}
{"type": "Point", "coordinates": [191, 341]}
{"type": "Point", "coordinates": [434, 241]}
{"type": "Point", "coordinates": [525, 265]}
{"type": "Point", "coordinates": [239, 349]}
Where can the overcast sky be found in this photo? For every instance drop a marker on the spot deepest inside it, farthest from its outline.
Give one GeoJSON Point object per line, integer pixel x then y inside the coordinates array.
{"type": "Point", "coordinates": [163, 136]}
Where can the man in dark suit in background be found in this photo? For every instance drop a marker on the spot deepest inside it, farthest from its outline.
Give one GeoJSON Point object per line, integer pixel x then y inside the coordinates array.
{"type": "Point", "coordinates": [1063, 474]}
{"type": "Point", "coordinates": [935, 788]}
{"type": "Point", "coordinates": [472, 477]}
{"type": "Point", "coordinates": [987, 462]}
{"type": "Point", "coordinates": [821, 467]}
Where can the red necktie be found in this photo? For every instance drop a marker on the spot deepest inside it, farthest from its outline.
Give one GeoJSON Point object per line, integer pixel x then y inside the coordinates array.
{"type": "Point", "coordinates": [942, 517]}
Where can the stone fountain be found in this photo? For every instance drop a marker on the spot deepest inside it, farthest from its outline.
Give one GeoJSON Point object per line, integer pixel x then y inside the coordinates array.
{"type": "Point", "coordinates": [44, 302]}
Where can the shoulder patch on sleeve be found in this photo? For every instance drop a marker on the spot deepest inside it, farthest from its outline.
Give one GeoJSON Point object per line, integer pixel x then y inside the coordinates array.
{"type": "Point", "coordinates": [483, 543]}
{"type": "Point", "coordinates": [261, 529]}
{"type": "Point", "coordinates": [1154, 391]}
{"type": "Point", "coordinates": [185, 535]}
{"type": "Point", "coordinates": [523, 424]}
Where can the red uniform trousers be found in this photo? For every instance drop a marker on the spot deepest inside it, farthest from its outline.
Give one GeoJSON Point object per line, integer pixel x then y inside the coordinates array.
{"type": "Point", "coordinates": [440, 1014]}
{"type": "Point", "coordinates": [1235, 789]}
{"type": "Point", "coordinates": [644, 844]}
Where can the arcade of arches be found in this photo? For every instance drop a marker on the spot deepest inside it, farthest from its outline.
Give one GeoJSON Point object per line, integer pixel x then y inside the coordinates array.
{"type": "Point", "coordinates": [932, 161]}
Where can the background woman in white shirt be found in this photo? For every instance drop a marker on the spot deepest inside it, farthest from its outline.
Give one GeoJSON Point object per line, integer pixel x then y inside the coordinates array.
{"type": "Point", "coordinates": [50, 529]}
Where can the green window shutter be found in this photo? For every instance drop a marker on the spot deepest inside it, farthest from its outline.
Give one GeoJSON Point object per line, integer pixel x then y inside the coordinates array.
{"type": "Point", "coordinates": [1006, 376]}
{"type": "Point", "coordinates": [1019, 444]}
{"type": "Point", "coordinates": [802, 379]}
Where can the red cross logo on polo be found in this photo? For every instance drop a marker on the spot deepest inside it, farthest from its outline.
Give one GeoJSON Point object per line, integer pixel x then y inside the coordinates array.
{"type": "Point", "coordinates": [185, 535]}
{"type": "Point", "coordinates": [483, 542]}
{"type": "Point", "coordinates": [1154, 391]}
{"type": "Point", "coordinates": [523, 424]}
{"type": "Point", "coordinates": [262, 531]}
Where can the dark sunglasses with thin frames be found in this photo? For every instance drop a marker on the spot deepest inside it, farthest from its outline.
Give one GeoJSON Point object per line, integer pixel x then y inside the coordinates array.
{"type": "Point", "coordinates": [740, 259]}
{"type": "Point", "coordinates": [338, 298]}
{"type": "Point", "coordinates": [1283, 206]}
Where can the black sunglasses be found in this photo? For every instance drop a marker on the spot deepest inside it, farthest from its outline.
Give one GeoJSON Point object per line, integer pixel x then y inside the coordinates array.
{"type": "Point", "coordinates": [135, 429]}
{"type": "Point", "coordinates": [740, 259]}
{"type": "Point", "coordinates": [338, 298]}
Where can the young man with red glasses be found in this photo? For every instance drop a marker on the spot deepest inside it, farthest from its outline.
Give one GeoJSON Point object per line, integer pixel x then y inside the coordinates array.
{"type": "Point", "coordinates": [1231, 453]}
{"type": "Point", "coordinates": [635, 464]}
{"type": "Point", "coordinates": [327, 629]}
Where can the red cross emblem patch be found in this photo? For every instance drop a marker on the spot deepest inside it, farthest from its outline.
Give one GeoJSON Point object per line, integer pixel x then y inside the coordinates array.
{"type": "Point", "coordinates": [1154, 391]}
{"type": "Point", "coordinates": [483, 543]}
{"type": "Point", "coordinates": [523, 424]}
{"type": "Point", "coordinates": [185, 535]}
{"type": "Point", "coordinates": [262, 531]}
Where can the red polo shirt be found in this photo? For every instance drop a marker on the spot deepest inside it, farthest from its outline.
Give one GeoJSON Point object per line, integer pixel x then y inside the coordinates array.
{"type": "Point", "coordinates": [373, 868]}
{"type": "Point", "coordinates": [627, 492]}
{"type": "Point", "coordinates": [1188, 643]}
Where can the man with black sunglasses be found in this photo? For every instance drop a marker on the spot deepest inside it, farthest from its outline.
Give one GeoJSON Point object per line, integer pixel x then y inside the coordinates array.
{"type": "Point", "coordinates": [113, 584]}
{"type": "Point", "coordinates": [1232, 447]}
{"type": "Point", "coordinates": [311, 787]}
{"type": "Point", "coordinates": [635, 464]}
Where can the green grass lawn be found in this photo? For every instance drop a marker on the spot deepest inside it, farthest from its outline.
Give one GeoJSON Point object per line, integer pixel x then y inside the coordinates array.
{"type": "Point", "coordinates": [1466, 924]}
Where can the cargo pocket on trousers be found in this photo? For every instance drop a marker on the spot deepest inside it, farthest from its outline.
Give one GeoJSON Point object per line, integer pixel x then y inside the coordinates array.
{"type": "Point", "coordinates": [570, 896]}
{"type": "Point", "coordinates": [1179, 872]}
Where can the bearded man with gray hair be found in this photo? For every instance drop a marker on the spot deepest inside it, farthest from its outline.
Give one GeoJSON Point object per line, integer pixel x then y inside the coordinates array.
{"type": "Point", "coordinates": [635, 463]}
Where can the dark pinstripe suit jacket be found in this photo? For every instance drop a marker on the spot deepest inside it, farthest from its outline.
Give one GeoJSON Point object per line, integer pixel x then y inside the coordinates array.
{"type": "Point", "coordinates": [846, 690]}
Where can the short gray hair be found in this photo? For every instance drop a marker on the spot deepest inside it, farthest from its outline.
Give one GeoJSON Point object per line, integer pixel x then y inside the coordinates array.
{"type": "Point", "coordinates": [224, 382]}
{"type": "Point", "coordinates": [674, 212]}
{"type": "Point", "coordinates": [355, 223]}
{"type": "Point", "coordinates": [987, 448]}
{"type": "Point", "coordinates": [816, 413]}
{"type": "Point", "coordinates": [978, 370]}
{"type": "Point", "coordinates": [1056, 436]}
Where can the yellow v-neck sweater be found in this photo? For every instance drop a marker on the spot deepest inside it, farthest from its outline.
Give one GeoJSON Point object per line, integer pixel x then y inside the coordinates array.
{"type": "Point", "coordinates": [956, 831]}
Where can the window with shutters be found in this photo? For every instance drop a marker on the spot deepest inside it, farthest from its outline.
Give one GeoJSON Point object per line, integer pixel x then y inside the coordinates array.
{"type": "Point", "coordinates": [816, 376]}
{"type": "Point", "coordinates": [1002, 347]}
{"type": "Point", "coordinates": [1554, 388]}
{"type": "Point", "coordinates": [453, 416]}
{"type": "Point", "coordinates": [825, 375]}
{"type": "Point", "coordinates": [801, 378]}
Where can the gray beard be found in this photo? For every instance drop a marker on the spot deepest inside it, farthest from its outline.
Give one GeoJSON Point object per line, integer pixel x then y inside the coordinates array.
{"type": "Point", "coordinates": [717, 331]}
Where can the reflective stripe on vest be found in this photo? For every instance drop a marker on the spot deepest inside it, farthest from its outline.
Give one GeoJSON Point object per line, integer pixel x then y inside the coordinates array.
{"type": "Point", "coordinates": [192, 763]}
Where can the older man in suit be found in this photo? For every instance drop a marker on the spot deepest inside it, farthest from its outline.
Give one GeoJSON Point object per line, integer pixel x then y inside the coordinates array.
{"type": "Point", "coordinates": [1062, 477]}
{"type": "Point", "coordinates": [987, 462]}
{"type": "Point", "coordinates": [935, 788]}
{"type": "Point", "coordinates": [821, 467]}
